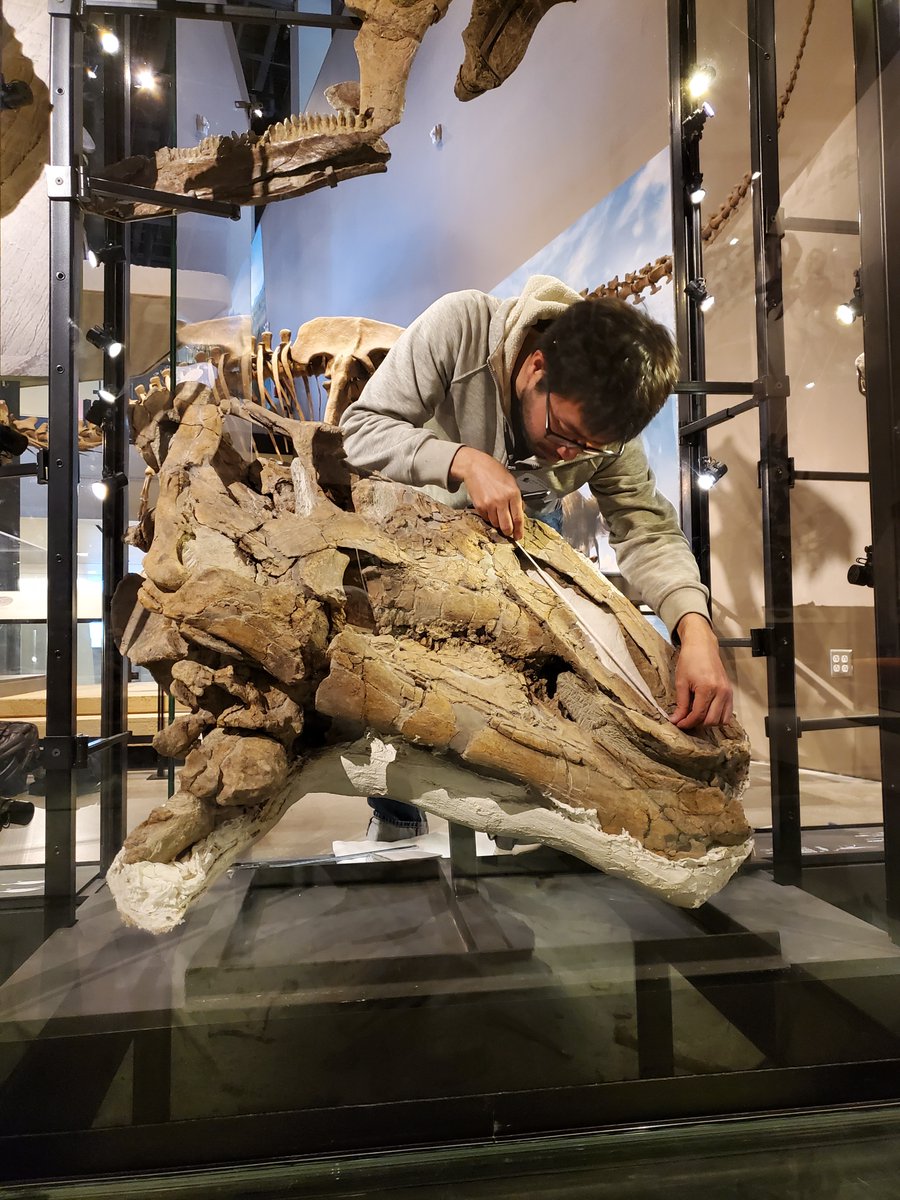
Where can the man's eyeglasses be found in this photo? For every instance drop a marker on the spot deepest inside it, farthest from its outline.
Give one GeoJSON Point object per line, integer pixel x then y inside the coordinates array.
{"type": "Point", "coordinates": [612, 451]}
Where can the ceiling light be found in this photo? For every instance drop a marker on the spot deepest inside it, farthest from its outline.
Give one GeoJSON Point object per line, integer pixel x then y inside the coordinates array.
{"type": "Point", "coordinates": [756, 175]}
{"type": "Point", "coordinates": [810, 386]}
{"type": "Point", "coordinates": [734, 241]}
{"type": "Point", "coordinates": [145, 80]}
{"type": "Point", "coordinates": [695, 189]}
{"type": "Point", "coordinates": [104, 340]}
{"type": "Point", "coordinates": [710, 473]}
{"type": "Point", "coordinates": [91, 72]}
{"type": "Point", "coordinates": [700, 80]}
{"type": "Point", "coordinates": [108, 41]}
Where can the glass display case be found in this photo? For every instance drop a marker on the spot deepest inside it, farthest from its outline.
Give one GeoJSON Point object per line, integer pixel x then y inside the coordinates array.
{"type": "Point", "coordinates": [325, 999]}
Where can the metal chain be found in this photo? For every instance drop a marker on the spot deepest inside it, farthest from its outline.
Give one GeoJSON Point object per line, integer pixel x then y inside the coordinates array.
{"type": "Point", "coordinates": [635, 283]}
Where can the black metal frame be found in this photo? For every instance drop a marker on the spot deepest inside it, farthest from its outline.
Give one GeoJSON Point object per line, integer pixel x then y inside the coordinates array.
{"type": "Point", "coordinates": [687, 259]}
{"type": "Point", "coordinates": [768, 394]}
{"type": "Point", "coordinates": [68, 188]}
{"type": "Point", "coordinates": [877, 60]}
{"type": "Point", "coordinates": [877, 48]}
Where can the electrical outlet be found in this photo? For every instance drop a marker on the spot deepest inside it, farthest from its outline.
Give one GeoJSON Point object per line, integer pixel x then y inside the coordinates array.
{"type": "Point", "coordinates": [841, 663]}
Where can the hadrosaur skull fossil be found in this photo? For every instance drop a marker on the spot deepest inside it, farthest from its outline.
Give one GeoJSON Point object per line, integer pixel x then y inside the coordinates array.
{"type": "Point", "coordinates": [332, 633]}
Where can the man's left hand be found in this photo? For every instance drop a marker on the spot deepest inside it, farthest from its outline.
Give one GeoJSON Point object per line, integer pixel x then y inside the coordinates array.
{"type": "Point", "coordinates": [703, 692]}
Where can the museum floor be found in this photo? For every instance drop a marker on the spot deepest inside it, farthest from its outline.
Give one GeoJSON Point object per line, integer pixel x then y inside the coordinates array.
{"type": "Point", "coordinates": [361, 1006]}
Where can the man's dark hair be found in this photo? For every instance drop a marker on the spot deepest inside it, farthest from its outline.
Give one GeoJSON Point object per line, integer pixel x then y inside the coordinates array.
{"type": "Point", "coordinates": [614, 361]}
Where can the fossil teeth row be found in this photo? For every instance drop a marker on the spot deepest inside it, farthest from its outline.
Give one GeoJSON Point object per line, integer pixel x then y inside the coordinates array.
{"type": "Point", "coordinates": [302, 126]}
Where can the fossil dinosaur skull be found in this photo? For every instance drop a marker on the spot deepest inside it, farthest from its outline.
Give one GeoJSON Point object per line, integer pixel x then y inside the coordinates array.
{"type": "Point", "coordinates": [345, 349]}
{"type": "Point", "coordinates": [330, 634]}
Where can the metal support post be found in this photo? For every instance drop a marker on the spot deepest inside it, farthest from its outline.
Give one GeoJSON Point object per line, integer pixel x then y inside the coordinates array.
{"type": "Point", "coordinates": [66, 67]}
{"type": "Point", "coordinates": [687, 265]}
{"type": "Point", "coordinates": [116, 298]}
{"type": "Point", "coordinates": [775, 466]}
{"type": "Point", "coordinates": [877, 48]}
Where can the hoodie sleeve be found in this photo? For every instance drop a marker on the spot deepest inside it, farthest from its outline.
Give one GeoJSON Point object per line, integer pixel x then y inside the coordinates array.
{"type": "Point", "coordinates": [652, 552]}
{"type": "Point", "coordinates": [383, 429]}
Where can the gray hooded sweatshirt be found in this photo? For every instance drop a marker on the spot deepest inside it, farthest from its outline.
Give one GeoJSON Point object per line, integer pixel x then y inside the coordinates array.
{"type": "Point", "coordinates": [446, 384]}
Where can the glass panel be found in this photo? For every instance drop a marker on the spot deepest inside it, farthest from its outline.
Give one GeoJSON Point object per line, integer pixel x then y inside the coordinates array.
{"type": "Point", "coordinates": [314, 1003]}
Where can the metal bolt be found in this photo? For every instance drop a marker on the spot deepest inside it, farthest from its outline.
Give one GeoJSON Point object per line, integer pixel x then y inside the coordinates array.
{"type": "Point", "coordinates": [55, 753]}
{"type": "Point", "coordinates": [59, 462]}
{"type": "Point", "coordinates": [59, 368]}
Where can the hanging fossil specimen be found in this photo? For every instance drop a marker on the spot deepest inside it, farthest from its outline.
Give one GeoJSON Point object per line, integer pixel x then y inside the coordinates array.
{"type": "Point", "coordinates": [329, 633]}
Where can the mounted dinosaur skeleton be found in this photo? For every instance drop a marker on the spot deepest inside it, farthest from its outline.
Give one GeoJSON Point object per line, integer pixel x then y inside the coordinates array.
{"type": "Point", "coordinates": [342, 351]}
{"type": "Point", "coordinates": [334, 634]}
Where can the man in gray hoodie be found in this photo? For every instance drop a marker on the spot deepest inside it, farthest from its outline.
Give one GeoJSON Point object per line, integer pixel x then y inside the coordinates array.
{"type": "Point", "coordinates": [481, 401]}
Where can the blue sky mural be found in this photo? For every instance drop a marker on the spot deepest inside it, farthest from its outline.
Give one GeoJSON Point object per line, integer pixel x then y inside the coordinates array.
{"type": "Point", "coordinates": [628, 228]}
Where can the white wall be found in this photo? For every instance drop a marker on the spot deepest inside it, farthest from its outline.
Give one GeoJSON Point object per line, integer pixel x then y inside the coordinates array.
{"type": "Point", "coordinates": [517, 166]}
{"type": "Point", "coordinates": [210, 79]}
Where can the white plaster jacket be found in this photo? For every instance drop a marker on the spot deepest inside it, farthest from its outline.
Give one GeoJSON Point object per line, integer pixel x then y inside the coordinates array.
{"type": "Point", "coordinates": [446, 383]}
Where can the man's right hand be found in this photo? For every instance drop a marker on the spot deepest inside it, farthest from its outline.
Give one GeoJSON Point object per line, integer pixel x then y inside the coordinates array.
{"type": "Point", "coordinates": [492, 490]}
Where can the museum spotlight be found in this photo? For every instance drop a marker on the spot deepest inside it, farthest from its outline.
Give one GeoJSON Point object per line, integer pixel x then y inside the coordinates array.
{"type": "Point", "coordinates": [145, 80]}
{"type": "Point", "coordinates": [109, 482]}
{"type": "Point", "coordinates": [15, 812]}
{"type": "Point", "coordinates": [692, 126]}
{"type": "Point", "coordinates": [108, 41]}
{"type": "Point", "coordinates": [15, 94]}
{"type": "Point", "coordinates": [101, 411]}
{"type": "Point", "coordinates": [695, 189]}
{"type": "Point", "coordinates": [111, 252]}
{"type": "Point", "coordinates": [91, 72]}
{"type": "Point", "coordinates": [862, 572]}
{"type": "Point", "coordinates": [710, 473]}
{"type": "Point", "coordinates": [12, 442]}
{"type": "Point", "coordinates": [104, 340]}
{"type": "Point", "coordinates": [700, 80]}
{"type": "Point", "coordinates": [848, 313]}
{"type": "Point", "coordinates": [696, 290]}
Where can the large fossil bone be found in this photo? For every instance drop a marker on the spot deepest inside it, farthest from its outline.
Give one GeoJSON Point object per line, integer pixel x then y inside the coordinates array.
{"type": "Point", "coordinates": [345, 349]}
{"type": "Point", "coordinates": [24, 128]}
{"type": "Point", "coordinates": [496, 38]}
{"type": "Point", "coordinates": [294, 610]}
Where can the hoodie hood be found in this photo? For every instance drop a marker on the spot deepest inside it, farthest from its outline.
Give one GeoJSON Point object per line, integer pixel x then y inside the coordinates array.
{"type": "Point", "coordinates": [543, 298]}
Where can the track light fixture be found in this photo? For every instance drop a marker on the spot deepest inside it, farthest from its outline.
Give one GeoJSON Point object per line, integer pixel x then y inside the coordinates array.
{"type": "Point", "coordinates": [110, 253]}
{"type": "Point", "coordinates": [696, 291]}
{"type": "Point", "coordinates": [862, 572]}
{"type": "Point", "coordinates": [696, 192]}
{"type": "Point", "coordinates": [847, 313]}
{"type": "Point", "coordinates": [700, 80]}
{"type": "Point", "coordinates": [109, 482]}
{"type": "Point", "coordinates": [15, 93]}
{"type": "Point", "coordinates": [101, 411]}
{"type": "Point", "coordinates": [104, 340]}
{"type": "Point", "coordinates": [710, 473]}
{"type": "Point", "coordinates": [692, 126]}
